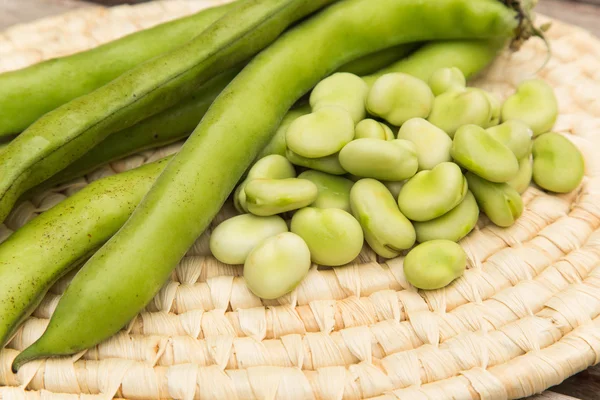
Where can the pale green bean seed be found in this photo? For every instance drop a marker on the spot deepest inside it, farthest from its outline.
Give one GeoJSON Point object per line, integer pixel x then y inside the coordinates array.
{"type": "Point", "coordinates": [431, 194]}
{"type": "Point", "coordinates": [266, 197]}
{"type": "Point", "coordinates": [435, 264]}
{"type": "Point", "coordinates": [433, 144]}
{"type": "Point", "coordinates": [394, 187]}
{"type": "Point", "coordinates": [334, 237]}
{"type": "Point", "coordinates": [535, 104]}
{"type": "Point", "coordinates": [453, 109]}
{"type": "Point", "coordinates": [558, 165]}
{"type": "Point", "coordinates": [515, 135]}
{"type": "Point", "coordinates": [499, 201]}
{"type": "Point", "coordinates": [369, 128]}
{"type": "Point", "coordinates": [344, 90]}
{"type": "Point", "coordinates": [454, 225]}
{"type": "Point", "coordinates": [320, 134]}
{"type": "Point", "coordinates": [239, 198]}
{"type": "Point", "coordinates": [277, 265]}
{"type": "Point", "coordinates": [334, 191]}
{"type": "Point", "coordinates": [521, 182]}
{"type": "Point", "coordinates": [235, 238]}
{"type": "Point", "coordinates": [273, 166]}
{"type": "Point", "coordinates": [393, 160]}
{"type": "Point", "coordinates": [386, 229]}
{"type": "Point", "coordinates": [398, 97]}
{"type": "Point", "coordinates": [479, 152]}
{"type": "Point", "coordinates": [446, 79]}
{"type": "Point", "coordinates": [277, 144]}
{"type": "Point", "coordinates": [329, 164]}
{"type": "Point", "coordinates": [495, 109]}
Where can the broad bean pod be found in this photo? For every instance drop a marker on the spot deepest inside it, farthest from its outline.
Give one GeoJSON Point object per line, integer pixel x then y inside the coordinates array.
{"type": "Point", "coordinates": [29, 93]}
{"type": "Point", "coordinates": [67, 133]}
{"type": "Point", "coordinates": [195, 184]}
{"type": "Point", "coordinates": [49, 246]}
{"type": "Point", "coordinates": [179, 121]}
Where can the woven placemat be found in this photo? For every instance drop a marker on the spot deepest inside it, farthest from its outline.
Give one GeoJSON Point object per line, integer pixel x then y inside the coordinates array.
{"type": "Point", "coordinates": [525, 316]}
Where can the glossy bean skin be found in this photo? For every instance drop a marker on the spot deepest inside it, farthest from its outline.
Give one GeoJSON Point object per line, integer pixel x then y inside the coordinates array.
{"type": "Point", "coordinates": [433, 144]}
{"type": "Point", "coordinates": [321, 133]}
{"type": "Point", "coordinates": [272, 166]}
{"type": "Point", "coordinates": [454, 109]}
{"type": "Point", "coordinates": [398, 97]}
{"type": "Point", "coordinates": [479, 152]}
{"type": "Point", "coordinates": [329, 164]}
{"type": "Point", "coordinates": [68, 132]}
{"type": "Point", "coordinates": [393, 160]}
{"type": "Point", "coordinates": [386, 229]}
{"type": "Point", "coordinates": [334, 191]}
{"type": "Point", "coordinates": [435, 264]}
{"type": "Point", "coordinates": [260, 94]}
{"type": "Point", "coordinates": [49, 246]}
{"type": "Point", "coordinates": [235, 238]}
{"type": "Point", "coordinates": [454, 225]}
{"type": "Point", "coordinates": [499, 201]}
{"type": "Point", "coordinates": [277, 265]}
{"type": "Point", "coordinates": [495, 109]}
{"type": "Point", "coordinates": [369, 128]}
{"type": "Point", "coordinates": [27, 94]}
{"type": "Point", "coordinates": [515, 135]}
{"type": "Point", "coordinates": [523, 179]}
{"type": "Point", "coordinates": [535, 104]}
{"type": "Point", "coordinates": [266, 197]}
{"type": "Point", "coordinates": [431, 194]}
{"type": "Point", "coordinates": [343, 90]}
{"type": "Point", "coordinates": [558, 166]}
{"type": "Point", "coordinates": [446, 79]}
{"type": "Point", "coordinates": [277, 145]}
{"type": "Point", "coordinates": [333, 236]}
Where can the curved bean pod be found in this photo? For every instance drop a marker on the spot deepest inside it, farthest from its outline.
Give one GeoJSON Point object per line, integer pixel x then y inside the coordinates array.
{"type": "Point", "coordinates": [49, 246]}
{"type": "Point", "coordinates": [29, 93]}
{"type": "Point", "coordinates": [191, 190]}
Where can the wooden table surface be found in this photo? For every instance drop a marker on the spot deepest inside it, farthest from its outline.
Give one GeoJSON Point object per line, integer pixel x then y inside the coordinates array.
{"type": "Point", "coordinates": [584, 386]}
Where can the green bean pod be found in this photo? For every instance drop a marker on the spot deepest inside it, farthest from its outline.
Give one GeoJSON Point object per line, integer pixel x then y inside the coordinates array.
{"type": "Point", "coordinates": [195, 184]}
{"type": "Point", "coordinates": [179, 121]}
{"type": "Point", "coordinates": [49, 246]}
{"type": "Point", "coordinates": [29, 93]}
{"type": "Point", "coordinates": [161, 129]}
{"type": "Point", "coordinates": [67, 133]}
{"type": "Point", "coordinates": [469, 56]}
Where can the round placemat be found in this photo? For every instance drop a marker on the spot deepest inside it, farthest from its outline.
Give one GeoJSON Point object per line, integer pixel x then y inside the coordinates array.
{"type": "Point", "coordinates": [525, 315]}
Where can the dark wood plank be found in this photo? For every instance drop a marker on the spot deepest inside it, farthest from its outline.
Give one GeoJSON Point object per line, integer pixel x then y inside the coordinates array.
{"type": "Point", "coordinates": [583, 14]}
{"type": "Point", "coordinates": [19, 11]}
{"type": "Point", "coordinates": [552, 396]}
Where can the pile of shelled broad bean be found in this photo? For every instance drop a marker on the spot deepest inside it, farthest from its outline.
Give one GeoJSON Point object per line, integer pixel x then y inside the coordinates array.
{"type": "Point", "coordinates": [405, 154]}
{"type": "Point", "coordinates": [395, 163]}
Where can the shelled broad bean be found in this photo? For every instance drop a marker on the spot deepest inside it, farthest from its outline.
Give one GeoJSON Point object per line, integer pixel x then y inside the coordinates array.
{"type": "Point", "coordinates": [426, 184]}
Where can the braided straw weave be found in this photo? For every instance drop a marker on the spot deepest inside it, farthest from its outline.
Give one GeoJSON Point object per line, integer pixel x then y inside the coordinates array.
{"type": "Point", "coordinates": [525, 316]}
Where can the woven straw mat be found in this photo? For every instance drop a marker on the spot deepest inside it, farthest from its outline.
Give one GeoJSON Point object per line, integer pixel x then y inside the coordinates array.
{"type": "Point", "coordinates": [525, 315]}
